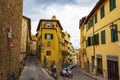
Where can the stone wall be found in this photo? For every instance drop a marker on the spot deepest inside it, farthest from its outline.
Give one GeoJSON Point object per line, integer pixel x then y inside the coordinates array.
{"type": "Point", "coordinates": [10, 16]}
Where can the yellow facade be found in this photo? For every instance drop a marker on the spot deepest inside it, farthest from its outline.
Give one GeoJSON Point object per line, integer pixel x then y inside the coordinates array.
{"type": "Point", "coordinates": [83, 43]}
{"type": "Point", "coordinates": [68, 48]}
{"type": "Point", "coordinates": [33, 44]}
{"type": "Point", "coordinates": [102, 50]}
{"type": "Point", "coordinates": [49, 39]}
{"type": "Point", "coordinates": [25, 37]}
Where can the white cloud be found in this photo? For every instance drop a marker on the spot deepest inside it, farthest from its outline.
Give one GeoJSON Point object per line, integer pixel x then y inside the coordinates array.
{"type": "Point", "coordinates": [68, 15]}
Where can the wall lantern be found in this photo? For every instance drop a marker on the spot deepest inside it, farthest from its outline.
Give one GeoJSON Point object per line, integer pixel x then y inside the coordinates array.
{"type": "Point", "coordinates": [113, 27]}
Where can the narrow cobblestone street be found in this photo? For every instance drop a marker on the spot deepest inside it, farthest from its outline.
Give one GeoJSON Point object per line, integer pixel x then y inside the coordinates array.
{"type": "Point", "coordinates": [33, 70]}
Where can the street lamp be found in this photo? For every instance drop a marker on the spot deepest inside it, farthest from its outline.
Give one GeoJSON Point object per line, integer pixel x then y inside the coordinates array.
{"type": "Point", "coordinates": [113, 27]}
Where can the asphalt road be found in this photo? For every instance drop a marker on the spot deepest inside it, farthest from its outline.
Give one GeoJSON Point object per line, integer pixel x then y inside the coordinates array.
{"type": "Point", "coordinates": [78, 75]}
{"type": "Point", "coordinates": [34, 71]}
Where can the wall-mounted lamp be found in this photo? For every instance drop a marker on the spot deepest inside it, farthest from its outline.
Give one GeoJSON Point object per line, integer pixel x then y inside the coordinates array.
{"type": "Point", "coordinates": [113, 27]}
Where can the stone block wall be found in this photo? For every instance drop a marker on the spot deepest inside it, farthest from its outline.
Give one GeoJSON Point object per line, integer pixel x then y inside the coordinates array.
{"type": "Point", "coordinates": [10, 16]}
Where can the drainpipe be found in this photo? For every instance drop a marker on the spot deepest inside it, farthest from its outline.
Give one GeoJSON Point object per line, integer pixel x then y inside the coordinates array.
{"type": "Point", "coordinates": [93, 48]}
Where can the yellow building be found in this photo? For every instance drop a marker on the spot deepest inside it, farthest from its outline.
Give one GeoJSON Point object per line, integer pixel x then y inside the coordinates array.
{"type": "Point", "coordinates": [83, 44]}
{"type": "Point", "coordinates": [99, 31]}
{"type": "Point", "coordinates": [25, 37]}
{"type": "Point", "coordinates": [49, 42]}
{"type": "Point", "coordinates": [33, 45]}
{"type": "Point", "coordinates": [68, 48]}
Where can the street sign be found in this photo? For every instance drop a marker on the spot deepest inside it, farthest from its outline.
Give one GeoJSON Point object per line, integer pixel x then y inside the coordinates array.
{"type": "Point", "coordinates": [10, 32]}
{"type": "Point", "coordinates": [10, 29]}
{"type": "Point", "coordinates": [11, 44]}
{"type": "Point", "coordinates": [9, 35]}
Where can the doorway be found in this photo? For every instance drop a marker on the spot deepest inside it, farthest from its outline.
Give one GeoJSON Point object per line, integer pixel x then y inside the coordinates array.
{"type": "Point", "coordinates": [113, 72]}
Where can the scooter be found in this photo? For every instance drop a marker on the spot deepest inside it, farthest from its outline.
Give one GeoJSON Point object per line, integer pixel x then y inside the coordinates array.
{"type": "Point", "coordinates": [67, 73]}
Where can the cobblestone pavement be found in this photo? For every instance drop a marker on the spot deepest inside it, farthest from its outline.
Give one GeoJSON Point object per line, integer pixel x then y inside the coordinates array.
{"type": "Point", "coordinates": [33, 70]}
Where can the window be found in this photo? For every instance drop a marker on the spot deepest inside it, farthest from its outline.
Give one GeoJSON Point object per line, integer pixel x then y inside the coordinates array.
{"type": "Point", "coordinates": [48, 53]}
{"type": "Point", "coordinates": [48, 43]}
{"type": "Point", "coordinates": [102, 12]}
{"type": "Point", "coordinates": [48, 24]}
{"type": "Point", "coordinates": [114, 34]}
{"type": "Point", "coordinates": [89, 41]}
{"type": "Point", "coordinates": [95, 18]}
{"type": "Point", "coordinates": [112, 4]}
{"type": "Point", "coordinates": [48, 36]}
{"type": "Point", "coordinates": [103, 38]}
{"type": "Point", "coordinates": [99, 66]}
{"type": "Point", "coordinates": [96, 39]}
{"type": "Point", "coordinates": [90, 24]}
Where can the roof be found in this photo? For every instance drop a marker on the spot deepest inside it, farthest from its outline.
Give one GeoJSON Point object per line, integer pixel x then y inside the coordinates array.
{"type": "Point", "coordinates": [49, 20]}
{"type": "Point", "coordinates": [94, 9]}
{"type": "Point", "coordinates": [82, 21]}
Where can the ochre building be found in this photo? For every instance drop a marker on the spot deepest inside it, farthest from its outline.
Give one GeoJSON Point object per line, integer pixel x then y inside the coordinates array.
{"type": "Point", "coordinates": [100, 40]}
{"type": "Point", "coordinates": [48, 42]}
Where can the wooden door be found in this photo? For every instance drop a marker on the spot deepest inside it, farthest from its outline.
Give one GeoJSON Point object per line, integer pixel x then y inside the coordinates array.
{"type": "Point", "coordinates": [113, 72]}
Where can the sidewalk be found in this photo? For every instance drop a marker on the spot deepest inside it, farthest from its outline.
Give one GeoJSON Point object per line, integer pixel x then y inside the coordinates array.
{"type": "Point", "coordinates": [92, 75]}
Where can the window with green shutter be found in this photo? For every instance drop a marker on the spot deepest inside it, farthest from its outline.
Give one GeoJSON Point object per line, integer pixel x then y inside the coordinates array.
{"type": "Point", "coordinates": [103, 37]}
{"type": "Point", "coordinates": [114, 34]}
{"type": "Point", "coordinates": [95, 18]}
{"type": "Point", "coordinates": [96, 39]}
{"type": "Point", "coordinates": [112, 4]}
{"type": "Point", "coordinates": [48, 36]}
{"type": "Point", "coordinates": [90, 24]}
{"type": "Point", "coordinates": [48, 53]}
{"type": "Point", "coordinates": [89, 41]}
{"type": "Point", "coordinates": [102, 12]}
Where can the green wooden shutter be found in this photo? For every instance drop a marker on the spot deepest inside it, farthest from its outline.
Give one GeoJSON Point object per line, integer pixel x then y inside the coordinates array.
{"type": "Point", "coordinates": [95, 18]}
{"type": "Point", "coordinates": [51, 36]}
{"type": "Point", "coordinates": [97, 39]}
{"type": "Point", "coordinates": [112, 4]}
{"type": "Point", "coordinates": [103, 38]}
{"type": "Point", "coordinates": [112, 39]}
{"type": "Point", "coordinates": [45, 36]}
{"type": "Point", "coordinates": [89, 41]}
{"type": "Point", "coordinates": [102, 11]}
{"type": "Point", "coordinates": [116, 33]}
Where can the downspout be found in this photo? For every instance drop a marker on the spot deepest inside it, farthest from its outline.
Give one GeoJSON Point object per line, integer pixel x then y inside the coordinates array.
{"type": "Point", "coordinates": [93, 49]}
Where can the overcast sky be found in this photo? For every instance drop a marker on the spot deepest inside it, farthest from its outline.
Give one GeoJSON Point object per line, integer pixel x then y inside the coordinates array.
{"type": "Point", "coordinates": [68, 12]}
